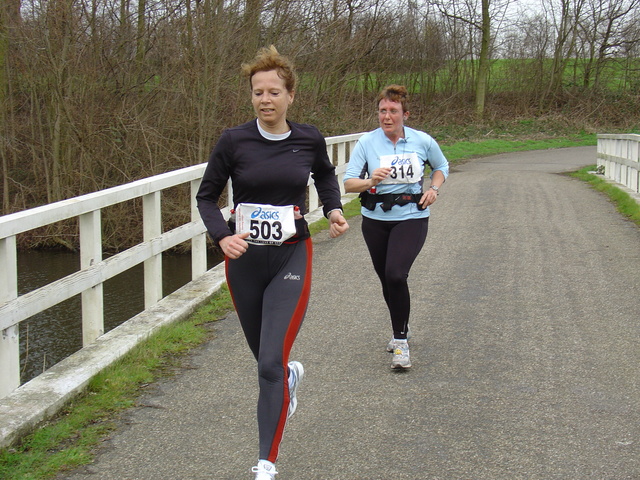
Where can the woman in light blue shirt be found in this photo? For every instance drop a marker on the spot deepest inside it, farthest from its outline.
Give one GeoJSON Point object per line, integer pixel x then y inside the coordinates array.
{"type": "Point", "coordinates": [387, 168]}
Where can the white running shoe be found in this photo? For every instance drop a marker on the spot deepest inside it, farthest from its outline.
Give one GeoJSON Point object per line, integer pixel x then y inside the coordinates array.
{"type": "Point", "coordinates": [401, 355]}
{"type": "Point", "coordinates": [392, 343]}
{"type": "Point", "coordinates": [264, 470]}
{"type": "Point", "coordinates": [296, 372]}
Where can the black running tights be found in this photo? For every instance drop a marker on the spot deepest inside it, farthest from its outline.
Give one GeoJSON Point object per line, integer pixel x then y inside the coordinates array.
{"type": "Point", "coordinates": [393, 247]}
{"type": "Point", "coordinates": [270, 289]}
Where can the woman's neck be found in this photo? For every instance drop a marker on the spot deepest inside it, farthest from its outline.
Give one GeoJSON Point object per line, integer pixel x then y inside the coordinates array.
{"type": "Point", "coordinates": [270, 135]}
{"type": "Point", "coordinates": [395, 136]}
{"type": "Point", "coordinates": [279, 129]}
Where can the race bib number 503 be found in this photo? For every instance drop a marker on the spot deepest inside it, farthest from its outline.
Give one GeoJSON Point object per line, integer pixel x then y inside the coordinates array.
{"type": "Point", "coordinates": [266, 224]}
{"type": "Point", "coordinates": [405, 168]}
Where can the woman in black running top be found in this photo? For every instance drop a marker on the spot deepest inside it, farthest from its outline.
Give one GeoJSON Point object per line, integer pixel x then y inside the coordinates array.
{"type": "Point", "coordinates": [268, 250]}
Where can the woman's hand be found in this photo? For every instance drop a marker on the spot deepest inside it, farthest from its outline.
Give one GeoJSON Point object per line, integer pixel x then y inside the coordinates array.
{"type": "Point", "coordinates": [428, 198]}
{"type": "Point", "coordinates": [234, 246]}
{"type": "Point", "coordinates": [379, 174]}
{"type": "Point", "coordinates": [337, 224]}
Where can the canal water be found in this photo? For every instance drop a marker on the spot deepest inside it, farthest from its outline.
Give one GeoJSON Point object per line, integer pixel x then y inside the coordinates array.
{"type": "Point", "coordinates": [56, 333]}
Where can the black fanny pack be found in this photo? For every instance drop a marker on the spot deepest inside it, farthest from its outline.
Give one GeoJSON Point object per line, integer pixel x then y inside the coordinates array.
{"type": "Point", "coordinates": [388, 200]}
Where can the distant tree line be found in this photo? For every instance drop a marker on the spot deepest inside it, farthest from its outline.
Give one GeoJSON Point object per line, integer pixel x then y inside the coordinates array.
{"type": "Point", "coordinates": [96, 93]}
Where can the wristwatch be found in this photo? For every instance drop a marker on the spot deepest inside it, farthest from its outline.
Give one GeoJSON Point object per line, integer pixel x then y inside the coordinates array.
{"type": "Point", "coordinates": [435, 188]}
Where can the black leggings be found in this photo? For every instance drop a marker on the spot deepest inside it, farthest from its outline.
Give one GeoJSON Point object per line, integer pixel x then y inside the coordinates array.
{"type": "Point", "coordinates": [393, 247]}
{"type": "Point", "coordinates": [270, 289]}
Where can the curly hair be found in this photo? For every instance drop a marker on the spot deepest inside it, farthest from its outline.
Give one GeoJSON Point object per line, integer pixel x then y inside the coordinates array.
{"type": "Point", "coordinates": [268, 59]}
{"type": "Point", "coordinates": [395, 93]}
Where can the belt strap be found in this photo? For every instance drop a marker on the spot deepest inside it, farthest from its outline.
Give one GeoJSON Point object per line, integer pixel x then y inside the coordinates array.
{"type": "Point", "coordinates": [388, 200]}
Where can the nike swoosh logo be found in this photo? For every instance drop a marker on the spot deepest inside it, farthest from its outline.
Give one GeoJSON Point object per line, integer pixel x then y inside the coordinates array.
{"type": "Point", "coordinates": [296, 150]}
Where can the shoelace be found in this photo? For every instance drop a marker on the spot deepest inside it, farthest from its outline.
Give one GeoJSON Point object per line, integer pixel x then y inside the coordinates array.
{"type": "Point", "coordinates": [401, 349]}
{"type": "Point", "coordinates": [260, 469]}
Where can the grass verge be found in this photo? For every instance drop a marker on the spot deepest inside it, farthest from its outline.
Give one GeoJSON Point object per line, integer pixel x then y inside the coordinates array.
{"type": "Point", "coordinates": [625, 203]}
{"type": "Point", "coordinates": [70, 439]}
{"type": "Point", "coordinates": [465, 150]}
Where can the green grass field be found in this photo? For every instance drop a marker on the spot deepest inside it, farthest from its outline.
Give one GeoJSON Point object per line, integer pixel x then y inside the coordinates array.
{"type": "Point", "coordinates": [506, 75]}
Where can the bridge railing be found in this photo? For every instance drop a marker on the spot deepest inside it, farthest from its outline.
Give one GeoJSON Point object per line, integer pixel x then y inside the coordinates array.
{"type": "Point", "coordinates": [619, 154]}
{"type": "Point", "coordinates": [94, 270]}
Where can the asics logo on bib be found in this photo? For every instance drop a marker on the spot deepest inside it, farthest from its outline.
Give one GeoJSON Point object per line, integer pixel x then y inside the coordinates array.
{"type": "Point", "coordinates": [291, 276]}
{"type": "Point", "coordinates": [401, 161]}
{"type": "Point", "coordinates": [265, 215]}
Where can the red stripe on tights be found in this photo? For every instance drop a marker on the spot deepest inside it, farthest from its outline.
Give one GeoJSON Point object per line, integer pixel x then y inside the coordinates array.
{"type": "Point", "coordinates": [292, 332]}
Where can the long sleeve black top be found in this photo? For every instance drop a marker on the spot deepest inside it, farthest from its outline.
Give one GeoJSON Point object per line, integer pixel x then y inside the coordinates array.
{"type": "Point", "coordinates": [267, 172]}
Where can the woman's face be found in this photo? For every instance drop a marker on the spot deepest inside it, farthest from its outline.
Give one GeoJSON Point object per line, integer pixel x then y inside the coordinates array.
{"type": "Point", "coordinates": [391, 118]}
{"type": "Point", "coordinates": [271, 100]}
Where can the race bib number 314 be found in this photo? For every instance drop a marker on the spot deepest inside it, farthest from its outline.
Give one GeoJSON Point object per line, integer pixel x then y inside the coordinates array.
{"type": "Point", "coordinates": [405, 168]}
{"type": "Point", "coordinates": [266, 224]}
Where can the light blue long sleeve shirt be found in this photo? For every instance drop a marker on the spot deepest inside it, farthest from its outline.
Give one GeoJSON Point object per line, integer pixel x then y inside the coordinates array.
{"type": "Point", "coordinates": [373, 145]}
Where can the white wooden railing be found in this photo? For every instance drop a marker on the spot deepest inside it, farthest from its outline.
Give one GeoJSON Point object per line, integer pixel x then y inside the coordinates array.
{"type": "Point", "coordinates": [620, 157]}
{"type": "Point", "coordinates": [94, 271]}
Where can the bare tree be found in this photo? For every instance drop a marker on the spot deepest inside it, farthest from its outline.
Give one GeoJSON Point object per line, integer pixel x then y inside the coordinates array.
{"type": "Point", "coordinates": [252, 27]}
{"type": "Point", "coordinates": [603, 31]}
{"type": "Point", "coordinates": [10, 20]}
{"type": "Point", "coordinates": [59, 48]}
{"type": "Point", "coordinates": [483, 60]}
{"type": "Point", "coordinates": [141, 36]}
{"type": "Point", "coordinates": [565, 20]}
{"type": "Point", "coordinates": [478, 17]}
{"type": "Point", "coordinates": [4, 48]}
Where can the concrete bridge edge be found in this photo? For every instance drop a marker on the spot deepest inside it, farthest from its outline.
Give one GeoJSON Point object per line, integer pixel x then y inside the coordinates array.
{"type": "Point", "coordinates": [43, 397]}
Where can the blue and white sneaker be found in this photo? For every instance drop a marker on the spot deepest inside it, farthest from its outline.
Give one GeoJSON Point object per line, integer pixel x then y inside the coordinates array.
{"type": "Point", "coordinates": [296, 372]}
{"type": "Point", "coordinates": [401, 359]}
{"type": "Point", "coordinates": [264, 470]}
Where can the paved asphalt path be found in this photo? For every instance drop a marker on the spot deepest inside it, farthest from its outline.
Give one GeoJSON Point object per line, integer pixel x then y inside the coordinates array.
{"type": "Point", "coordinates": [525, 351]}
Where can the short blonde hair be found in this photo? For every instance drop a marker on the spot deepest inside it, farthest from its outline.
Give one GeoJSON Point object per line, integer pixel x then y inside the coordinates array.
{"type": "Point", "coordinates": [268, 59]}
{"type": "Point", "coordinates": [395, 93]}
